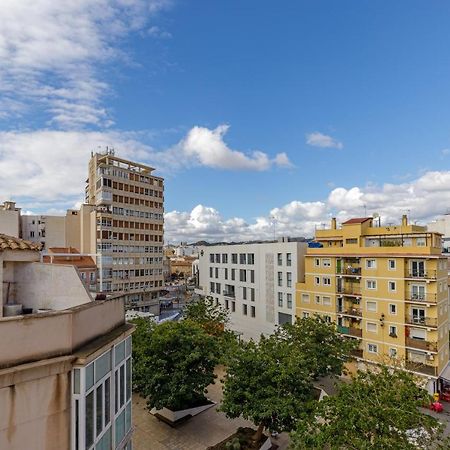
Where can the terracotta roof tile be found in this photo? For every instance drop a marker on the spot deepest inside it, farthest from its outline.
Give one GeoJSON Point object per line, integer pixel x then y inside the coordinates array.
{"type": "Point", "coordinates": [13, 243]}
{"type": "Point", "coordinates": [357, 220]}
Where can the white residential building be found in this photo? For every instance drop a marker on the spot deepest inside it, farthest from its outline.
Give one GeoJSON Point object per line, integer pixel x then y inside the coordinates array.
{"type": "Point", "coordinates": [255, 282]}
{"type": "Point", "coordinates": [442, 225]}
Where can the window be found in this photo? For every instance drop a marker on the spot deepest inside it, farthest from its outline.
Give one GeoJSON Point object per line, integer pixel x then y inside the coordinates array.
{"type": "Point", "coordinates": [233, 274]}
{"type": "Point", "coordinates": [244, 293]}
{"type": "Point", "coordinates": [212, 287]}
{"type": "Point", "coordinates": [280, 259]}
{"type": "Point", "coordinates": [372, 348]}
{"type": "Point", "coordinates": [31, 233]}
{"type": "Point", "coordinates": [243, 258]}
{"type": "Point", "coordinates": [217, 272]}
{"type": "Point", "coordinates": [250, 258]}
{"type": "Point", "coordinates": [371, 327]}
{"type": "Point", "coordinates": [252, 276]}
{"type": "Point", "coordinates": [233, 307]}
{"type": "Point", "coordinates": [305, 315]}
{"type": "Point", "coordinates": [242, 275]}
{"type": "Point", "coordinates": [317, 281]}
{"type": "Point", "coordinates": [316, 262]}
{"type": "Point", "coordinates": [371, 306]}
{"type": "Point", "coordinates": [326, 281]}
{"type": "Point", "coordinates": [421, 242]}
{"type": "Point", "coordinates": [226, 273]}
{"type": "Point", "coordinates": [244, 310]}
{"type": "Point", "coordinates": [392, 331]}
{"type": "Point", "coordinates": [252, 311]}
{"type": "Point", "coordinates": [371, 264]}
{"type": "Point", "coordinates": [224, 258]}
{"type": "Point", "coordinates": [326, 301]}
{"type": "Point", "coordinates": [391, 265]}
{"type": "Point", "coordinates": [289, 279]}
{"type": "Point", "coordinates": [211, 258]}
{"type": "Point", "coordinates": [252, 294]}
{"type": "Point", "coordinates": [326, 262]}
{"type": "Point", "coordinates": [392, 285]}
{"type": "Point", "coordinates": [371, 284]}
{"type": "Point", "coordinates": [218, 258]}
{"type": "Point", "coordinates": [280, 278]}
{"type": "Point", "coordinates": [392, 309]}
{"type": "Point", "coordinates": [317, 299]}
{"type": "Point", "coordinates": [393, 352]}
{"type": "Point", "coordinates": [289, 259]}
{"type": "Point", "coordinates": [305, 298]}
{"type": "Point", "coordinates": [280, 299]}
{"type": "Point", "coordinates": [289, 300]}
{"type": "Point", "coordinates": [227, 304]}
{"type": "Point", "coordinates": [351, 241]}
{"type": "Point", "coordinates": [234, 258]}
{"type": "Point", "coordinates": [218, 288]}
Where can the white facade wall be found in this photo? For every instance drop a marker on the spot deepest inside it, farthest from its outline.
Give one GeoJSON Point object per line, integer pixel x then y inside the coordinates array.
{"type": "Point", "coordinates": [254, 308]}
{"type": "Point", "coordinates": [49, 230]}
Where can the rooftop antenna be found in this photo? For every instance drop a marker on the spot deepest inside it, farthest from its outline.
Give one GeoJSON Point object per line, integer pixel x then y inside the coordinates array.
{"type": "Point", "coordinates": [365, 210]}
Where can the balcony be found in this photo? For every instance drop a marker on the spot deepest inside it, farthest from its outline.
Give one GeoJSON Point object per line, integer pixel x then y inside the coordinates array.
{"type": "Point", "coordinates": [424, 321]}
{"type": "Point", "coordinates": [357, 353]}
{"type": "Point", "coordinates": [421, 274]}
{"type": "Point", "coordinates": [424, 368]}
{"type": "Point", "coordinates": [421, 344]}
{"type": "Point", "coordinates": [349, 271]}
{"type": "Point", "coordinates": [420, 297]}
{"type": "Point", "coordinates": [349, 290]}
{"type": "Point", "coordinates": [354, 312]}
{"type": "Point", "coordinates": [350, 331]}
{"type": "Point", "coordinates": [229, 294]}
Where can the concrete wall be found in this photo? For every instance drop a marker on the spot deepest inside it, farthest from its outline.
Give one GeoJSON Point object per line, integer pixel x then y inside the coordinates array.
{"type": "Point", "coordinates": [49, 286]}
{"type": "Point", "coordinates": [35, 407]}
{"type": "Point", "coordinates": [55, 231]}
{"type": "Point", "coordinates": [10, 222]}
{"type": "Point", "coordinates": [73, 233]}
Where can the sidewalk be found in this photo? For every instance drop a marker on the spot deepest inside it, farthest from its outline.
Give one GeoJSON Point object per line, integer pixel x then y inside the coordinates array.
{"type": "Point", "coordinates": [208, 428]}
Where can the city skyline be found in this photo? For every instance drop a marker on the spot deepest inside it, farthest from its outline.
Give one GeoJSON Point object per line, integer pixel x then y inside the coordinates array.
{"type": "Point", "coordinates": [257, 115]}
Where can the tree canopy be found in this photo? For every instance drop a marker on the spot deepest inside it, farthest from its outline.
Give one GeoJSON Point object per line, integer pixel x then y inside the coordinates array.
{"type": "Point", "coordinates": [173, 363]}
{"type": "Point", "coordinates": [375, 411]}
{"type": "Point", "coordinates": [210, 317]}
{"type": "Point", "coordinates": [271, 382]}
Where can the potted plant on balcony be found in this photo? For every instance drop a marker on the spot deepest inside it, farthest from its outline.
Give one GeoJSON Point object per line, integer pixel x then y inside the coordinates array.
{"type": "Point", "coordinates": [173, 363]}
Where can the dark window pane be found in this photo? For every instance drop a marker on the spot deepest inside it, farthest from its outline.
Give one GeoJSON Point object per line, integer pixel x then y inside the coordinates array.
{"type": "Point", "coordinates": [116, 390]}
{"type": "Point", "coordinates": [107, 402]}
{"type": "Point", "coordinates": [89, 419]}
{"type": "Point", "coordinates": [128, 384]}
{"type": "Point", "coordinates": [99, 409]}
{"type": "Point", "coordinates": [122, 386]}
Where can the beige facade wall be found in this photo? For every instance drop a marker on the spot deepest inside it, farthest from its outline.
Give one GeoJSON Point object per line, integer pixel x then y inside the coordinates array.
{"type": "Point", "coordinates": [73, 232]}
{"type": "Point", "coordinates": [10, 222]}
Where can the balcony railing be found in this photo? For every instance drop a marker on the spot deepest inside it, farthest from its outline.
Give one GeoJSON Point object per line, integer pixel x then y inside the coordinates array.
{"type": "Point", "coordinates": [351, 331]}
{"type": "Point", "coordinates": [229, 294]}
{"type": "Point", "coordinates": [421, 297]}
{"type": "Point", "coordinates": [421, 344]}
{"type": "Point", "coordinates": [421, 368]}
{"type": "Point", "coordinates": [351, 312]}
{"type": "Point", "coordinates": [425, 321]}
{"type": "Point", "coordinates": [357, 352]}
{"type": "Point", "coordinates": [419, 273]}
{"type": "Point", "coordinates": [351, 271]}
{"type": "Point", "coordinates": [349, 290]}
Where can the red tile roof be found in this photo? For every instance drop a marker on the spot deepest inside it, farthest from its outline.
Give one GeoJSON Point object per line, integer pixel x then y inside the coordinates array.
{"type": "Point", "coordinates": [13, 243]}
{"type": "Point", "coordinates": [357, 220]}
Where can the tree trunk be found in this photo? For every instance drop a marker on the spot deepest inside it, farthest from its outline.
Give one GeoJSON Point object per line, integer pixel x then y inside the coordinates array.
{"type": "Point", "coordinates": [258, 435]}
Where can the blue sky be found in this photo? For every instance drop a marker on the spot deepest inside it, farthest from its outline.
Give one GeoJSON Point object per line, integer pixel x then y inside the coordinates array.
{"type": "Point", "coordinates": [353, 94]}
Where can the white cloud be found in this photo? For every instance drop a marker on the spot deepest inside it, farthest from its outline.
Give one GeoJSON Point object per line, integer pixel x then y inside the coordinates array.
{"type": "Point", "coordinates": [51, 166]}
{"type": "Point", "coordinates": [206, 147]}
{"type": "Point", "coordinates": [157, 32]}
{"type": "Point", "coordinates": [51, 54]}
{"type": "Point", "coordinates": [317, 139]}
{"type": "Point", "coordinates": [423, 199]}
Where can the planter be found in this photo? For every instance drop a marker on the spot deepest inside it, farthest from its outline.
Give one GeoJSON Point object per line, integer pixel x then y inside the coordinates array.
{"type": "Point", "coordinates": [244, 435]}
{"type": "Point", "coordinates": [174, 417]}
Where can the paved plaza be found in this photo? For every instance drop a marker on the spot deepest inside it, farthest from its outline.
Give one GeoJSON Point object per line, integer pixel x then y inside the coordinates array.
{"type": "Point", "coordinates": [208, 428]}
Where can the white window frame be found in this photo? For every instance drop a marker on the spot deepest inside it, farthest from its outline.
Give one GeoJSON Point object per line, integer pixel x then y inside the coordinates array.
{"type": "Point", "coordinates": [394, 265]}
{"type": "Point", "coordinates": [326, 302]}
{"type": "Point", "coordinates": [372, 348]}
{"type": "Point", "coordinates": [368, 266]}
{"type": "Point", "coordinates": [372, 325]}
{"type": "Point", "coordinates": [316, 262]}
{"type": "Point", "coordinates": [390, 286]}
{"type": "Point", "coordinates": [326, 262]}
{"type": "Point", "coordinates": [317, 281]}
{"type": "Point", "coordinates": [371, 288]}
{"type": "Point", "coordinates": [367, 306]}
{"type": "Point", "coordinates": [306, 298]}
{"type": "Point", "coordinates": [390, 309]}
{"type": "Point", "coordinates": [326, 281]}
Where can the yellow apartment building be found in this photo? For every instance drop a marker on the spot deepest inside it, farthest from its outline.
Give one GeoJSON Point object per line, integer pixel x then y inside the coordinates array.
{"type": "Point", "coordinates": [386, 287]}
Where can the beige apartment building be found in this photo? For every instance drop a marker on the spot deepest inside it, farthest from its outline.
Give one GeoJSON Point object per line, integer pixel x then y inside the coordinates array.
{"type": "Point", "coordinates": [65, 359]}
{"type": "Point", "coordinates": [386, 287]}
{"type": "Point", "coordinates": [123, 223]}
{"type": "Point", "coordinates": [10, 219]}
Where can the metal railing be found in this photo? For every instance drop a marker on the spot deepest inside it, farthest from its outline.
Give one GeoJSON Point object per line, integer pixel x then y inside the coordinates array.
{"type": "Point", "coordinates": [351, 312]}
{"type": "Point", "coordinates": [419, 273]}
{"type": "Point", "coordinates": [355, 271]}
{"type": "Point", "coordinates": [349, 290]}
{"type": "Point", "coordinates": [418, 320]}
{"type": "Point", "coordinates": [421, 344]}
{"type": "Point", "coordinates": [421, 297]}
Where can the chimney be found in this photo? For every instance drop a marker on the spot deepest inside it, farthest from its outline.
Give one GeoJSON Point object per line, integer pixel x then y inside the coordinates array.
{"type": "Point", "coordinates": [333, 223]}
{"type": "Point", "coordinates": [404, 220]}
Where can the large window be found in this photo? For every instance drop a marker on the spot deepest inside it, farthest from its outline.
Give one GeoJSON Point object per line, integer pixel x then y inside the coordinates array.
{"type": "Point", "coordinates": [101, 400]}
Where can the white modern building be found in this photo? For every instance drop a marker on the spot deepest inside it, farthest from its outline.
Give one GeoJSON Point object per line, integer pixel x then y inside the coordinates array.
{"type": "Point", "coordinates": [255, 282]}
{"type": "Point", "coordinates": [442, 225]}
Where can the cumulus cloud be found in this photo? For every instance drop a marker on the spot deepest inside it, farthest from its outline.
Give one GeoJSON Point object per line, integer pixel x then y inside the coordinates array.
{"type": "Point", "coordinates": [423, 199]}
{"type": "Point", "coordinates": [207, 147]}
{"type": "Point", "coordinates": [317, 139]}
{"type": "Point", "coordinates": [52, 52]}
{"type": "Point", "coordinates": [51, 166]}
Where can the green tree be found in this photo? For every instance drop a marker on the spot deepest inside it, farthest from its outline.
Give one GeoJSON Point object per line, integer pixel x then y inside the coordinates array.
{"type": "Point", "coordinates": [318, 342]}
{"type": "Point", "coordinates": [375, 411]}
{"type": "Point", "coordinates": [213, 319]}
{"type": "Point", "coordinates": [271, 382]}
{"type": "Point", "coordinates": [173, 363]}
